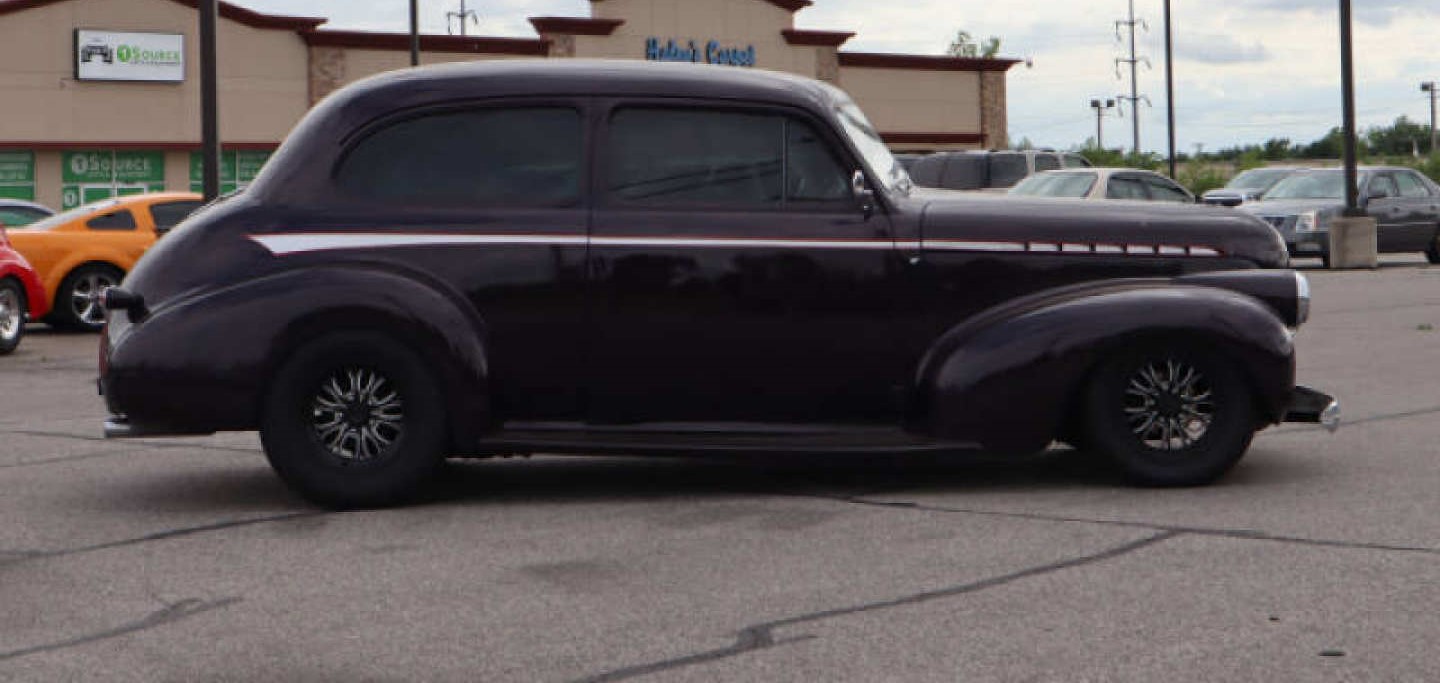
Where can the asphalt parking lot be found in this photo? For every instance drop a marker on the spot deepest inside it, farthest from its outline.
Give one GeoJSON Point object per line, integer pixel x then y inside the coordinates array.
{"type": "Point", "coordinates": [1317, 559]}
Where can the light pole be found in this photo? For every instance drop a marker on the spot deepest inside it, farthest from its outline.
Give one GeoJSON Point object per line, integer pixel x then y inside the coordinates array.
{"type": "Point", "coordinates": [1347, 86]}
{"type": "Point", "coordinates": [1170, 88]}
{"type": "Point", "coordinates": [1429, 86]}
{"type": "Point", "coordinates": [209, 103]}
{"type": "Point", "coordinates": [414, 32]}
{"type": "Point", "coordinates": [1100, 108]}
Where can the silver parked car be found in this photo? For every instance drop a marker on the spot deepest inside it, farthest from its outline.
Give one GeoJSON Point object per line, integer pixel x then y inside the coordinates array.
{"type": "Point", "coordinates": [1404, 203]}
{"type": "Point", "coordinates": [1104, 183]}
{"type": "Point", "coordinates": [17, 212]}
{"type": "Point", "coordinates": [1248, 186]}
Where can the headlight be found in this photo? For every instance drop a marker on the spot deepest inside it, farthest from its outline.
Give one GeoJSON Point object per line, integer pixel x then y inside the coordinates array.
{"type": "Point", "coordinates": [1302, 299]}
{"type": "Point", "coordinates": [1306, 222]}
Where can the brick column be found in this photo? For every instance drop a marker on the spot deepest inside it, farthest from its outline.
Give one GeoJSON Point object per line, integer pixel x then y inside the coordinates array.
{"type": "Point", "coordinates": [993, 123]}
{"type": "Point", "coordinates": [327, 71]}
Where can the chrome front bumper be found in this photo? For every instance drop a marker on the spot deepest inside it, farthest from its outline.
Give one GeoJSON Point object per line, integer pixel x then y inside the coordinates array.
{"type": "Point", "coordinates": [1315, 407]}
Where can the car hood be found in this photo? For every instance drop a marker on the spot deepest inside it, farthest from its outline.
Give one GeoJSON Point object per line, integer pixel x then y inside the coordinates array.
{"type": "Point", "coordinates": [1292, 207]}
{"type": "Point", "coordinates": [986, 218]}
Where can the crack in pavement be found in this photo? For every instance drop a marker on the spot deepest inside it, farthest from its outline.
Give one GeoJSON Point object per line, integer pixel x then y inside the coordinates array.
{"type": "Point", "coordinates": [1214, 532]}
{"type": "Point", "coordinates": [167, 615]}
{"type": "Point", "coordinates": [18, 556]}
{"type": "Point", "coordinates": [762, 636]}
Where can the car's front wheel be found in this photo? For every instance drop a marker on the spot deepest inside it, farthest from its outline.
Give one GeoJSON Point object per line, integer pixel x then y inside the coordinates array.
{"type": "Point", "coordinates": [1169, 413]}
{"type": "Point", "coordinates": [12, 315]}
{"type": "Point", "coordinates": [1432, 253]}
{"type": "Point", "coordinates": [354, 419]}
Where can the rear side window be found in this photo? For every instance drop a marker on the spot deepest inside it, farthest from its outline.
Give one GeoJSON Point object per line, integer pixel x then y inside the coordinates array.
{"type": "Point", "coordinates": [1166, 191]}
{"type": "Point", "coordinates": [1411, 186]}
{"type": "Point", "coordinates": [1126, 187]}
{"type": "Point", "coordinates": [1046, 162]}
{"type": "Point", "coordinates": [1007, 169]}
{"type": "Point", "coordinates": [926, 170]}
{"type": "Point", "coordinates": [1076, 161]}
{"type": "Point", "coordinates": [15, 216]}
{"type": "Point", "coordinates": [169, 214]}
{"type": "Point", "coordinates": [523, 156]}
{"type": "Point", "coordinates": [723, 158]}
{"type": "Point", "coordinates": [119, 220]}
{"type": "Point", "coordinates": [966, 172]}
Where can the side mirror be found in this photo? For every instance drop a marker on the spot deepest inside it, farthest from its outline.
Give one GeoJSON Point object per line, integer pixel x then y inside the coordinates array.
{"type": "Point", "coordinates": [864, 196]}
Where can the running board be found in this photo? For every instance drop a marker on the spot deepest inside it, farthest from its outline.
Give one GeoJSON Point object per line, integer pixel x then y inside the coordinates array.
{"type": "Point", "coordinates": [700, 439]}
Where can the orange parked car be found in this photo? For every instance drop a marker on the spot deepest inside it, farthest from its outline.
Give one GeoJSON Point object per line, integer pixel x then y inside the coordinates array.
{"type": "Point", "coordinates": [85, 250]}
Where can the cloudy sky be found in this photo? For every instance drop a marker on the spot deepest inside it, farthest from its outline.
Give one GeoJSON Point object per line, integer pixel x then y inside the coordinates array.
{"type": "Point", "coordinates": [1246, 70]}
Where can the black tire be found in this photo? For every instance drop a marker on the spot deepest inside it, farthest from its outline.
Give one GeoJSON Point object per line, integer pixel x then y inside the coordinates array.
{"type": "Point", "coordinates": [12, 315]}
{"type": "Point", "coordinates": [1432, 253]}
{"type": "Point", "coordinates": [1116, 409]}
{"type": "Point", "coordinates": [390, 457]}
{"type": "Point", "coordinates": [77, 302]}
{"type": "Point", "coordinates": [1325, 260]}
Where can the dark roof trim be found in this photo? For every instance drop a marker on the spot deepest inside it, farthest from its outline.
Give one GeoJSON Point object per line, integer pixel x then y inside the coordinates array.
{"type": "Point", "coordinates": [933, 138]}
{"type": "Point", "coordinates": [881, 60]}
{"type": "Point", "coordinates": [575, 26]}
{"type": "Point", "coordinates": [232, 12]}
{"type": "Point", "coordinates": [787, 5]}
{"type": "Point", "coordinates": [820, 38]}
{"type": "Point", "coordinates": [170, 145]}
{"type": "Point", "coordinates": [532, 47]}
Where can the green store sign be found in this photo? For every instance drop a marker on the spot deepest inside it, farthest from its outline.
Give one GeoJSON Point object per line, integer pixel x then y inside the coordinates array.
{"type": "Point", "coordinates": [94, 175]}
{"type": "Point", "coordinates": [237, 169]}
{"type": "Point", "coordinates": [17, 175]}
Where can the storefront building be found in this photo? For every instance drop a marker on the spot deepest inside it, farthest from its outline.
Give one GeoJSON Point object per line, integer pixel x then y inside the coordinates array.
{"type": "Point", "coordinates": [102, 97]}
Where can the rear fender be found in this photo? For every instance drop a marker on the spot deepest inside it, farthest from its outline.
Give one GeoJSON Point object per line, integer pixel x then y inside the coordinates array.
{"type": "Point", "coordinates": [252, 328]}
{"type": "Point", "coordinates": [1010, 377]}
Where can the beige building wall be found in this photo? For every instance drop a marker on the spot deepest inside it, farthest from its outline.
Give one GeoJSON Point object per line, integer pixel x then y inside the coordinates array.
{"type": "Point", "coordinates": [916, 101]}
{"type": "Point", "coordinates": [732, 23]}
{"type": "Point", "coordinates": [262, 74]}
{"type": "Point", "coordinates": [357, 63]}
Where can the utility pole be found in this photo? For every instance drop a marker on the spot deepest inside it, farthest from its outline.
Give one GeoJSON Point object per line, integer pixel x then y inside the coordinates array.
{"type": "Point", "coordinates": [1347, 96]}
{"type": "Point", "coordinates": [1100, 107]}
{"type": "Point", "coordinates": [414, 32]}
{"type": "Point", "coordinates": [1134, 62]}
{"type": "Point", "coordinates": [462, 15]}
{"type": "Point", "coordinates": [209, 102]}
{"type": "Point", "coordinates": [1170, 87]}
{"type": "Point", "coordinates": [1429, 86]}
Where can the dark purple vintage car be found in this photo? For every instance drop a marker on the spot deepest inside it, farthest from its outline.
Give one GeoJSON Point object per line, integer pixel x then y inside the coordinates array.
{"type": "Point", "coordinates": [597, 257]}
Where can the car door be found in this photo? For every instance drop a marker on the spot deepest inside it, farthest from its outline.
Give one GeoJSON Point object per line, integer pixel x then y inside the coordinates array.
{"type": "Point", "coordinates": [1420, 212]}
{"type": "Point", "coordinates": [736, 278]}
{"type": "Point", "coordinates": [1383, 203]}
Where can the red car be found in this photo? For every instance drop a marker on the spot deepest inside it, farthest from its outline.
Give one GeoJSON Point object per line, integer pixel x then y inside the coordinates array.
{"type": "Point", "coordinates": [19, 288]}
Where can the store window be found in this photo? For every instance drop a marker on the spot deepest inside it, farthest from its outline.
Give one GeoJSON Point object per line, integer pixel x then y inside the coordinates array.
{"type": "Point", "coordinates": [17, 175]}
{"type": "Point", "coordinates": [238, 169]}
{"type": "Point", "coordinates": [100, 174]}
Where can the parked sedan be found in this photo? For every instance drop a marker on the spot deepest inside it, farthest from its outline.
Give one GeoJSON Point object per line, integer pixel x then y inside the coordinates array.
{"type": "Point", "coordinates": [18, 212]}
{"type": "Point", "coordinates": [572, 256]}
{"type": "Point", "coordinates": [1104, 183]}
{"type": "Point", "coordinates": [21, 296]}
{"type": "Point", "coordinates": [1404, 203]}
{"type": "Point", "coordinates": [81, 252]}
{"type": "Point", "coordinates": [1248, 186]}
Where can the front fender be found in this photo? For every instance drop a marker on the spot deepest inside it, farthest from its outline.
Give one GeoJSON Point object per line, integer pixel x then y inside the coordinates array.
{"type": "Point", "coordinates": [155, 373]}
{"type": "Point", "coordinates": [1009, 378]}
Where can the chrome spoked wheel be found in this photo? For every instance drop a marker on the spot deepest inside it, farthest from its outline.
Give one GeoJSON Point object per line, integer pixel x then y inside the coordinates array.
{"type": "Point", "coordinates": [85, 296]}
{"type": "Point", "coordinates": [1169, 405]}
{"type": "Point", "coordinates": [358, 415]}
{"type": "Point", "coordinates": [12, 315]}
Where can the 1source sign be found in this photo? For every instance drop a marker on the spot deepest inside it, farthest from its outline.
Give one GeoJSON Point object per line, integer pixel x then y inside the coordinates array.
{"type": "Point", "coordinates": [113, 56]}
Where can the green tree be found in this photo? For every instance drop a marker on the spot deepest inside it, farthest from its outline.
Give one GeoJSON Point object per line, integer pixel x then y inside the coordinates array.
{"type": "Point", "coordinates": [1398, 139]}
{"type": "Point", "coordinates": [964, 45]}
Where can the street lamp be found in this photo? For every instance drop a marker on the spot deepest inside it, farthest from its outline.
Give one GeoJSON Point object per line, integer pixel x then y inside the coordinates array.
{"type": "Point", "coordinates": [1100, 108]}
{"type": "Point", "coordinates": [1429, 87]}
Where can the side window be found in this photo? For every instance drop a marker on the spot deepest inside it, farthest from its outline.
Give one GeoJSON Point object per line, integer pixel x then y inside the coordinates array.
{"type": "Point", "coordinates": [1384, 183]}
{"type": "Point", "coordinates": [169, 214]}
{"type": "Point", "coordinates": [520, 156]}
{"type": "Point", "coordinates": [119, 220]}
{"type": "Point", "coordinates": [15, 216]}
{"type": "Point", "coordinates": [927, 170]}
{"type": "Point", "coordinates": [675, 156]}
{"type": "Point", "coordinates": [1076, 161]}
{"type": "Point", "coordinates": [1411, 186]}
{"type": "Point", "coordinates": [812, 174]}
{"type": "Point", "coordinates": [1161, 189]}
{"type": "Point", "coordinates": [1046, 162]}
{"type": "Point", "coordinates": [1125, 187]}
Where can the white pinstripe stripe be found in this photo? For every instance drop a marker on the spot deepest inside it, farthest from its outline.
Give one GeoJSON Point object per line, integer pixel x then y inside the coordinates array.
{"type": "Point", "coordinates": [296, 243]}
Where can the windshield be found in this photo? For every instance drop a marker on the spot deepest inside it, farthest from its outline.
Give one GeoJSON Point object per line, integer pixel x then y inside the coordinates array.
{"type": "Point", "coordinates": [1312, 185]}
{"type": "Point", "coordinates": [1257, 179]}
{"type": "Point", "coordinates": [1056, 185]}
{"type": "Point", "coordinates": [67, 216]}
{"type": "Point", "coordinates": [870, 146]}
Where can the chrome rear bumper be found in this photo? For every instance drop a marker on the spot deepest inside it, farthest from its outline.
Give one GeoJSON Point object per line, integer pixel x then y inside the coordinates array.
{"type": "Point", "coordinates": [1315, 407]}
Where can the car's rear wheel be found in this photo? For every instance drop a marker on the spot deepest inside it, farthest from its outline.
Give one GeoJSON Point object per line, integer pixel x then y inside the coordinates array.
{"type": "Point", "coordinates": [1169, 413]}
{"type": "Point", "coordinates": [354, 419]}
{"type": "Point", "coordinates": [1432, 253]}
{"type": "Point", "coordinates": [77, 302]}
{"type": "Point", "coordinates": [12, 315]}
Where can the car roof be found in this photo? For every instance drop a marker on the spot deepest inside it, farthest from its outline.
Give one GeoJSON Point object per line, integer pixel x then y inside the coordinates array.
{"type": "Point", "coordinates": [25, 204]}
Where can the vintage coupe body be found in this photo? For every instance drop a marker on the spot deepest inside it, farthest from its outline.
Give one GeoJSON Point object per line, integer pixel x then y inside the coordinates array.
{"type": "Point", "coordinates": [616, 257]}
